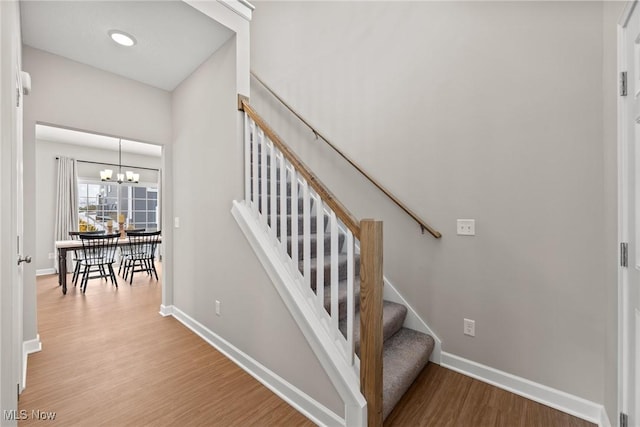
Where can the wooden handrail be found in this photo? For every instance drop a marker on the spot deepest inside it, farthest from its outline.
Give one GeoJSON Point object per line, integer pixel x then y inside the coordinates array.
{"type": "Point", "coordinates": [327, 197]}
{"type": "Point", "coordinates": [423, 225]}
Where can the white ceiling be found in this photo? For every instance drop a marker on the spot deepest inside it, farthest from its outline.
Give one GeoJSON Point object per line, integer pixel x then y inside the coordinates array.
{"type": "Point", "coordinates": [68, 136]}
{"type": "Point", "coordinates": [173, 38]}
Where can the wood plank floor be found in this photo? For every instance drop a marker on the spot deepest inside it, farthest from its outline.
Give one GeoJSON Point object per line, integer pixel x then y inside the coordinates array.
{"type": "Point", "coordinates": [442, 397]}
{"type": "Point", "coordinates": [109, 359]}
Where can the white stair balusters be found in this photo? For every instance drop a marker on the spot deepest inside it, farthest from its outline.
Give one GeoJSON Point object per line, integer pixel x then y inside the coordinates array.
{"type": "Point", "coordinates": [335, 277]}
{"type": "Point", "coordinates": [294, 218]}
{"type": "Point", "coordinates": [262, 150]}
{"type": "Point", "coordinates": [320, 256]}
{"type": "Point", "coordinates": [350, 349]}
{"type": "Point", "coordinates": [283, 204]}
{"type": "Point", "coordinates": [254, 165]}
{"type": "Point", "coordinates": [306, 229]}
{"type": "Point", "coordinates": [248, 132]}
{"type": "Point", "coordinates": [272, 198]}
{"type": "Point", "coordinates": [275, 189]}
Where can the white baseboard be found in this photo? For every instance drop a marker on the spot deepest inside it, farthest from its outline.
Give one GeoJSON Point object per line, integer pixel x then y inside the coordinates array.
{"type": "Point", "coordinates": [45, 271]}
{"type": "Point", "coordinates": [312, 409]}
{"type": "Point", "coordinates": [166, 310]}
{"type": "Point", "coordinates": [28, 347]}
{"type": "Point", "coordinates": [565, 402]}
{"type": "Point", "coordinates": [604, 418]}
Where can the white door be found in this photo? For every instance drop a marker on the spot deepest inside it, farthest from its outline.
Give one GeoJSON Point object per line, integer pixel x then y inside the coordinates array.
{"type": "Point", "coordinates": [11, 218]}
{"type": "Point", "coordinates": [19, 210]}
{"type": "Point", "coordinates": [630, 211]}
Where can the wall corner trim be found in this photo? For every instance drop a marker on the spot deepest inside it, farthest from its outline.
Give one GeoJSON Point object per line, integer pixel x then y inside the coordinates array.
{"type": "Point", "coordinates": [166, 310]}
{"type": "Point", "coordinates": [302, 402]}
{"type": "Point", "coordinates": [560, 400]}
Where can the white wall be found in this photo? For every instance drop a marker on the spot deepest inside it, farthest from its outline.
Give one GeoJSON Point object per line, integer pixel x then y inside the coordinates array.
{"type": "Point", "coordinates": [212, 259]}
{"type": "Point", "coordinates": [69, 94]}
{"type": "Point", "coordinates": [46, 172]}
{"type": "Point", "coordinates": [485, 110]}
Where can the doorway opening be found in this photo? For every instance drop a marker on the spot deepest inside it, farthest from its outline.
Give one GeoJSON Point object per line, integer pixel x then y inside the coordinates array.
{"type": "Point", "coordinates": [100, 204]}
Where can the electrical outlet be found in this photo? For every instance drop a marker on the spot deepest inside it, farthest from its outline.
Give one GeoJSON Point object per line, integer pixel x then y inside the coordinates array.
{"type": "Point", "coordinates": [52, 255]}
{"type": "Point", "coordinates": [466, 227]}
{"type": "Point", "coordinates": [470, 327]}
{"type": "Point", "coordinates": [218, 308]}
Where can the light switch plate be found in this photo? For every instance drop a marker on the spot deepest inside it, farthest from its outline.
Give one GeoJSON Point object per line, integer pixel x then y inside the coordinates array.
{"type": "Point", "coordinates": [176, 222]}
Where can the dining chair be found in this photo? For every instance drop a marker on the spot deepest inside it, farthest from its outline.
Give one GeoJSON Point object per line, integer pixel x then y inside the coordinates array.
{"type": "Point", "coordinates": [77, 254]}
{"type": "Point", "coordinates": [124, 250]}
{"type": "Point", "coordinates": [99, 254]}
{"type": "Point", "coordinates": [141, 253]}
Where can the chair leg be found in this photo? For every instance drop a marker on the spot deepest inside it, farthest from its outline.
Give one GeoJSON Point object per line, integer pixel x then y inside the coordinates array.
{"type": "Point", "coordinates": [123, 265]}
{"type": "Point", "coordinates": [153, 267]}
{"type": "Point", "coordinates": [76, 273]}
{"type": "Point", "coordinates": [85, 278]}
{"type": "Point", "coordinates": [127, 268]}
{"type": "Point", "coordinates": [103, 273]}
{"type": "Point", "coordinates": [132, 269]}
{"type": "Point", "coordinates": [114, 280]}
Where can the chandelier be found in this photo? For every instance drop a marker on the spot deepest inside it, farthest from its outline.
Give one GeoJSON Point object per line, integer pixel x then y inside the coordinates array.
{"type": "Point", "coordinates": [107, 174]}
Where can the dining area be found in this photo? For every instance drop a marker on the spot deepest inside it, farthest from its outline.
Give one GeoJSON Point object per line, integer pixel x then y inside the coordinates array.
{"type": "Point", "coordinates": [95, 255]}
{"type": "Point", "coordinates": [101, 204]}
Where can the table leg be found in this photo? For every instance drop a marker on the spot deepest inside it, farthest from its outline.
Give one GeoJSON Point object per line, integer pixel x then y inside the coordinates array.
{"type": "Point", "coordinates": [62, 269]}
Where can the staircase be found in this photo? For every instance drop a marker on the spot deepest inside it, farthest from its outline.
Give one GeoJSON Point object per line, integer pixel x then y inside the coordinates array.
{"type": "Point", "coordinates": [406, 352]}
{"type": "Point", "coordinates": [321, 250]}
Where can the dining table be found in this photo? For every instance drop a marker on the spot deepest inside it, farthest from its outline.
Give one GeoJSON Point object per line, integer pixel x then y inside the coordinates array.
{"type": "Point", "coordinates": [64, 246]}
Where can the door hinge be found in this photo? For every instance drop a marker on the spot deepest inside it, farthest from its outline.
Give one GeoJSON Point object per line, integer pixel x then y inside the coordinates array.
{"type": "Point", "coordinates": [624, 254]}
{"type": "Point", "coordinates": [623, 83]}
{"type": "Point", "coordinates": [624, 420]}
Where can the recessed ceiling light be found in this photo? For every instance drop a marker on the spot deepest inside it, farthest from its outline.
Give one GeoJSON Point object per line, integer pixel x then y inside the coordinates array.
{"type": "Point", "coordinates": [122, 38]}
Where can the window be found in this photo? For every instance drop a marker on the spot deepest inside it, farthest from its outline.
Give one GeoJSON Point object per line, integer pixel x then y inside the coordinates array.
{"type": "Point", "coordinates": [144, 207]}
{"type": "Point", "coordinates": [99, 202]}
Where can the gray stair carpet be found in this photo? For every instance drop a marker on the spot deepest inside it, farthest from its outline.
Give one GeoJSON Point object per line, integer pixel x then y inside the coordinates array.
{"type": "Point", "coordinates": [406, 352]}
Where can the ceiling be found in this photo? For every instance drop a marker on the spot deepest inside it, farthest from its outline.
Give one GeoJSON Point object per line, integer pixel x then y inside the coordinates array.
{"type": "Point", "coordinates": [173, 38]}
{"type": "Point", "coordinates": [74, 137]}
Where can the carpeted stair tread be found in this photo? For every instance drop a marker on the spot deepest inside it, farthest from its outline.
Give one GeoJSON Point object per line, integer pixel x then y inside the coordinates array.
{"type": "Point", "coordinates": [313, 239]}
{"type": "Point", "coordinates": [342, 268]}
{"type": "Point", "coordinates": [342, 297]}
{"type": "Point", "coordinates": [288, 187]}
{"type": "Point", "coordinates": [393, 316]}
{"type": "Point", "coordinates": [288, 205]}
{"type": "Point", "coordinates": [405, 354]}
{"type": "Point", "coordinates": [313, 225]}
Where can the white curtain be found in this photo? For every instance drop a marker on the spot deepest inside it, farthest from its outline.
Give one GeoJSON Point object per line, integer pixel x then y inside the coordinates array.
{"type": "Point", "coordinates": [66, 200]}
